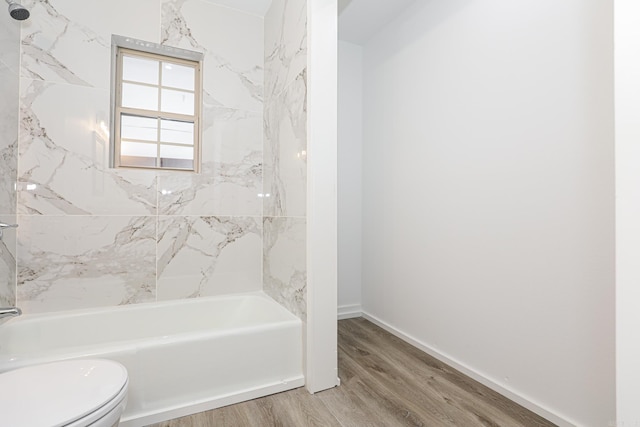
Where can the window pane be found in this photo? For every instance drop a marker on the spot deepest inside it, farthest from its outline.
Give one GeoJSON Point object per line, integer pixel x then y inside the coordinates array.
{"type": "Point", "coordinates": [175, 152]}
{"type": "Point", "coordinates": [142, 97]}
{"type": "Point", "coordinates": [178, 76]}
{"type": "Point", "coordinates": [148, 162]}
{"type": "Point", "coordinates": [174, 101]}
{"type": "Point", "coordinates": [176, 132]}
{"type": "Point", "coordinates": [176, 164]}
{"type": "Point", "coordinates": [140, 70]}
{"type": "Point", "coordinates": [133, 127]}
{"type": "Point", "coordinates": [138, 149]}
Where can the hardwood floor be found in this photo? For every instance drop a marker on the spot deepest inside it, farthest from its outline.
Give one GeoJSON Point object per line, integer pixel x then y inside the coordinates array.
{"type": "Point", "coordinates": [385, 382]}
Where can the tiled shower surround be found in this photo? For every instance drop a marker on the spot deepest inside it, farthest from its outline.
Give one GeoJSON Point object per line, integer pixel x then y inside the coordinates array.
{"type": "Point", "coordinates": [285, 151]}
{"type": "Point", "coordinates": [95, 236]}
{"type": "Point", "coordinates": [9, 79]}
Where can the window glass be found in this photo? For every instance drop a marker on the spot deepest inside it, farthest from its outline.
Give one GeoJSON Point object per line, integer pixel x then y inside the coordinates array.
{"type": "Point", "coordinates": [140, 70]}
{"type": "Point", "coordinates": [138, 149]}
{"type": "Point", "coordinates": [176, 132]}
{"type": "Point", "coordinates": [176, 152]}
{"type": "Point", "coordinates": [144, 128]}
{"type": "Point", "coordinates": [140, 97]}
{"type": "Point", "coordinates": [174, 101]}
{"type": "Point", "coordinates": [178, 76]}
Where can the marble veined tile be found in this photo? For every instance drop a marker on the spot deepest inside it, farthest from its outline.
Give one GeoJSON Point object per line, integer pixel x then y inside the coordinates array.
{"type": "Point", "coordinates": [285, 152]}
{"type": "Point", "coordinates": [285, 44]}
{"type": "Point", "coordinates": [69, 262]}
{"type": "Point", "coordinates": [232, 42]}
{"type": "Point", "coordinates": [8, 264]}
{"type": "Point", "coordinates": [64, 156]}
{"type": "Point", "coordinates": [285, 263]}
{"type": "Point", "coordinates": [9, 42]}
{"type": "Point", "coordinates": [67, 41]}
{"type": "Point", "coordinates": [205, 256]}
{"type": "Point", "coordinates": [230, 181]}
{"type": "Point", "coordinates": [8, 139]}
{"type": "Point", "coordinates": [9, 82]}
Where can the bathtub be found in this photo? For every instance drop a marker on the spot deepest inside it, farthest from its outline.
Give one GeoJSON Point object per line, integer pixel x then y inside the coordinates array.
{"type": "Point", "coordinates": [182, 357]}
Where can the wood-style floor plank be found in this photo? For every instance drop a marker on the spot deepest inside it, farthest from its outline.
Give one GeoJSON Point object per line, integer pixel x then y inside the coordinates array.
{"type": "Point", "coordinates": [384, 382]}
{"type": "Point", "coordinates": [474, 393]}
{"type": "Point", "coordinates": [299, 408]}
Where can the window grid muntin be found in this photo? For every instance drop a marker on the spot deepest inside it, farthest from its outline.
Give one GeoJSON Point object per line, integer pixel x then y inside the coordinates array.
{"type": "Point", "coordinates": [194, 119]}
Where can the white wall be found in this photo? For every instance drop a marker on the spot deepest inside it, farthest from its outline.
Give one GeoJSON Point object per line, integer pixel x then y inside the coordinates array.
{"type": "Point", "coordinates": [627, 41]}
{"type": "Point", "coordinates": [489, 194]}
{"type": "Point", "coordinates": [349, 179]}
{"type": "Point", "coordinates": [322, 201]}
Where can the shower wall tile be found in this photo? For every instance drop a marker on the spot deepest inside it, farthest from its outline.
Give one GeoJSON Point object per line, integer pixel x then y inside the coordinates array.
{"type": "Point", "coordinates": [9, 82]}
{"type": "Point", "coordinates": [8, 264]}
{"type": "Point", "coordinates": [64, 156]}
{"type": "Point", "coordinates": [8, 139]}
{"type": "Point", "coordinates": [285, 152]}
{"type": "Point", "coordinates": [230, 181]}
{"type": "Point", "coordinates": [9, 43]}
{"type": "Point", "coordinates": [68, 262]}
{"type": "Point", "coordinates": [67, 41]}
{"type": "Point", "coordinates": [233, 46]}
{"type": "Point", "coordinates": [206, 256]}
{"type": "Point", "coordinates": [285, 263]}
{"type": "Point", "coordinates": [285, 44]}
{"type": "Point", "coordinates": [88, 234]}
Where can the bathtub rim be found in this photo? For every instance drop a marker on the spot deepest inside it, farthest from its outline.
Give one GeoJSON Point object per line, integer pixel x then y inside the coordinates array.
{"type": "Point", "coordinates": [78, 312]}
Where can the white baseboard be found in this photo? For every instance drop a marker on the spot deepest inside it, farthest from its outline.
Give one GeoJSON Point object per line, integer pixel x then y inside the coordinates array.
{"type": "Point", "coordinates": [349, 311]}
{"type": "Point", "coordinates": [506, 392]}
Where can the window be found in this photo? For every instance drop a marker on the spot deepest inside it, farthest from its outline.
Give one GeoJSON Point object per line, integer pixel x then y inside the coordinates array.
{"type": "Point", "coordinates": [156, 111]}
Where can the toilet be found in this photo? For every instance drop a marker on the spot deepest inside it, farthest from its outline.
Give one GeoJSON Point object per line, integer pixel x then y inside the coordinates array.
{"type": "Point", "coordinates": [71, 393]}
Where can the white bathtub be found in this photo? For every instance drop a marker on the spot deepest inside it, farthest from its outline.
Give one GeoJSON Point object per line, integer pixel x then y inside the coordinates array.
{"type": "Point", "coordinates": [182, 356]}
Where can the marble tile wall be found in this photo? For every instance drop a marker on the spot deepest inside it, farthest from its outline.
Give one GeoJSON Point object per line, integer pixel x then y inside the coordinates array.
{"type": "Point", "coordinates": [285, 262]}
{"type": "Point", "coordinates": [285, 145]}
{"type": "Point", "coordinates": [9, 81]}
{"type": "Point", "coordinates": [95, 236]}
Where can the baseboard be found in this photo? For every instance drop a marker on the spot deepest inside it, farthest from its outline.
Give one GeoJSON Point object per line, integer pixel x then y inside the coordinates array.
{"type": "Point", "coordinates": [349, 311]}
{"type": "Point", "coordinates": [506, 392]}
{"type": "Point", "coordinates": [165, 414]}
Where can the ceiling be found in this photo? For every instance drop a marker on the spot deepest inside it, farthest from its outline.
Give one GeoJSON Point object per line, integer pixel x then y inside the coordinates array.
{"type": "Point", "coordinates": [359, 20]}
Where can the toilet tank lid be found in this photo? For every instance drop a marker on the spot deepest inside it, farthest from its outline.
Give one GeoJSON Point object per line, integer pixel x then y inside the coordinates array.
{"type": "Point", "coordinates": [57, 394]}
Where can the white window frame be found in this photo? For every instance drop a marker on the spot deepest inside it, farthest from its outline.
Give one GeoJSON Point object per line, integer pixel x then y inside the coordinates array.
{"type": "Point", "coordinates": [122, 46]}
